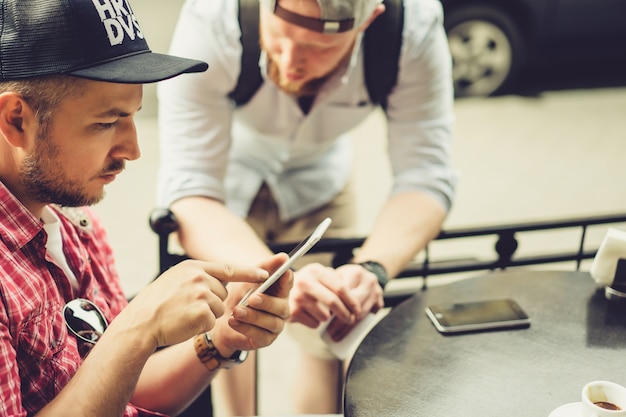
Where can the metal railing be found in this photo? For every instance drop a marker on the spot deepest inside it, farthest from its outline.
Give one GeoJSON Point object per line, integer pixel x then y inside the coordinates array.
{"type": "Point", "coordinates": [505, 250]}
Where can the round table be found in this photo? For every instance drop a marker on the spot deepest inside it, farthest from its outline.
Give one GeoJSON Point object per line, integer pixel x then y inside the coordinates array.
{"type": "Point", "coordinates": [404, 367]}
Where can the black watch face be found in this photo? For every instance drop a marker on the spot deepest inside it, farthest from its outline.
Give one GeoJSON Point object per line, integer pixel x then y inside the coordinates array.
{"type": "Point", "coordinates": [239, 356]}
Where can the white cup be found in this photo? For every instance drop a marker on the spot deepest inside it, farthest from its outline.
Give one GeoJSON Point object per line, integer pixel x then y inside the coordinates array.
{"type": "Point", "coordinates": [598, 397]}
{"type": "Point", "coordinates": [604, 265]}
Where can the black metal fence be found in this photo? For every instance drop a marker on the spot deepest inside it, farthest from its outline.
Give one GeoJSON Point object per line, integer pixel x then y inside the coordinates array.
{"type": "Point", "coordinates": [504, 254]}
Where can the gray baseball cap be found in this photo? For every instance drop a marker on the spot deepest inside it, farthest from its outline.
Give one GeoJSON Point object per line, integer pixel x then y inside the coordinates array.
{"type": "Point", "coordinates": [336, 15]}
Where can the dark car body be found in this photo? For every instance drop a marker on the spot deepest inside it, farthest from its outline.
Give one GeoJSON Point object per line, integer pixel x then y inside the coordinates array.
{"type": "Point", "coordinates": [493, 41]}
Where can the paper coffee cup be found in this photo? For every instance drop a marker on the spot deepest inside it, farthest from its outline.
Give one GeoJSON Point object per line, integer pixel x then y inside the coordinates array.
{"type": "Point", "coordinates": [604, 265]}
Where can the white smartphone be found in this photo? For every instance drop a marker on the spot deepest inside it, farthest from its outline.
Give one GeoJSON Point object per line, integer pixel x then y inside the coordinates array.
{"type": "Point", "coordinates": [478, 316]}
{"type": "Point", "coordinates": [296, 253]}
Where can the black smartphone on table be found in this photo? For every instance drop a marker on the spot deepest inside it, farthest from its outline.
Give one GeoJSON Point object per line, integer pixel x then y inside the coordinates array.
{"type": "Point", "coordinates": [474, 316]}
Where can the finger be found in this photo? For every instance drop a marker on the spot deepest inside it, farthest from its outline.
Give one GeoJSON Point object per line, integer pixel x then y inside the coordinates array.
{"type": "Point", "coordinates": [371, 300]}
{"type": "Point", "coordinates": [342, 305]}
{"type": "Point", "coordinates": [327, 289]}
{"type": "Point", "coordinates": [260, 328]}
{"type": "Point", "coordinates": [303, 317]}
{"type": "Point", "coordinates": [283, 286]}
{"type": "Point", "coordinates": [274, 306]}
{"type": "Point", "coordinates": [305, 302]}
{"type": "Point", "coordinates": [337, 329]}
{"type": "Point", "coordinates": [378, 306]}
{"type": "Point", "coordinates": [255, 318]}
{"type": "Point", "coordinates": [216, 305]}
{"type": "Point", "coordinates": [274, 262]}
{"type": "Point", "coordinates": [346, 294]}
{"type": "Point", "coordinates": [234, 273]}
{"type": "Point", "coordinates": [256, 337]}
{"type": "Point", "coordinates": [341, 300]}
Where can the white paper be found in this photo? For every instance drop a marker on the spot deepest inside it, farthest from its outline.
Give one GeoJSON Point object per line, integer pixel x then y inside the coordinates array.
{"type": "Point", "coordinates": [343, 348]}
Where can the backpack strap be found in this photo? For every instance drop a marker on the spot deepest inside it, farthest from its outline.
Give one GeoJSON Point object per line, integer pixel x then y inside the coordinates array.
{"type": "Point", "coordinates": [250, 78]}
{"type": "Point", "coordinates": [383, 41]}
{"type": "Point", "coordinates": [381, 54]}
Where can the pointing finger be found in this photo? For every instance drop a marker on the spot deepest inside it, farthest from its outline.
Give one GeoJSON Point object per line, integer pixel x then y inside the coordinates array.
{"type": "Point", "coordinates": [235, 273]}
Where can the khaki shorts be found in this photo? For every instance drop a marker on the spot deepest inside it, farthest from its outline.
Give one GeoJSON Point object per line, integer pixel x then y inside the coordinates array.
{"type": "Point", "coordinates": [264, 219]}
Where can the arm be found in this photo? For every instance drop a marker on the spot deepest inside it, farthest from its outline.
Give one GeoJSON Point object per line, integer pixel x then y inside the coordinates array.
{"type": "Point", "coordinates": [190, 293]}
{"type": "Point", "coordinates": [194, 130]}
{"type": "Point", "coordinates": [407, 222]}
{"type": "Point", "coordinates": [420, 118]}
{"type": "Point", "coordinates": [169, 389]}
{"type": "Point", "coordinates": [237, 243]}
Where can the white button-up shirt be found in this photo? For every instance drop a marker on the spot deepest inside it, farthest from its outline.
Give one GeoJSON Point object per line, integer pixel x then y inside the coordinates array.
{"type": "Point", "coordinates": [210, 148]}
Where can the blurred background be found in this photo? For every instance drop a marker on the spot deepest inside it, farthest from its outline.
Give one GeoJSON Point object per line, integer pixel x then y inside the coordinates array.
{"type": "Point", "coordinates": [547, 143]}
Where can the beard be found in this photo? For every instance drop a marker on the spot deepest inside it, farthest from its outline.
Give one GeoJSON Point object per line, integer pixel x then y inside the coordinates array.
{"type": "Point", "coordinates": [296, 89]}
{"type": "Point", "coordinates": [45, 181]}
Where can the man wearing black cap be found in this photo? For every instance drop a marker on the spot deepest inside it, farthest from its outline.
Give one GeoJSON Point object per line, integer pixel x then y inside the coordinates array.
{"type": "Point", "coordinates": [70, 85]}
{"type": "Point", "coordinates": [271, 169]}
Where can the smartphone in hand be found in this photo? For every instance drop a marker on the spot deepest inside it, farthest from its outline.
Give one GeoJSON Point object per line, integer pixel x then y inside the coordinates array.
{"type": "Point", "coordinates": [296, 253]}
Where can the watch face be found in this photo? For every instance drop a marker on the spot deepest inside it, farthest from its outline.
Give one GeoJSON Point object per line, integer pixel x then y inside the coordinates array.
{"type": "Point", "coordinates": [235, 359]}
{"type": "Point", "coordinates": [243, 355]}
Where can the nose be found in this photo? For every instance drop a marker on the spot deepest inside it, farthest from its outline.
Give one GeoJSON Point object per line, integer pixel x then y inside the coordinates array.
{"type": "Point", "coordinates": [293, 55]}
{"type": "Point", "coordinates": [128, 146]}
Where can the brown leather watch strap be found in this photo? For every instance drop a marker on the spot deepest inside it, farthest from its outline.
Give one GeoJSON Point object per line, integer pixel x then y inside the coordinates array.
{"type": "Point", "coordinates": [206, 352]}
{"type": "Point", "coordinates": [211, 358]}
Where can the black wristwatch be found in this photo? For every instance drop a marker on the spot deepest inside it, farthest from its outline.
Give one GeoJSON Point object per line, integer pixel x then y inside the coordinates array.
{"type": "Point", "coordinates": [211, 358]}
{"type": "Point", "coordinates": [377, 269]}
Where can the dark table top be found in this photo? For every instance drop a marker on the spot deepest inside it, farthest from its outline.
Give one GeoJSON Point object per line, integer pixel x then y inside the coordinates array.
{"type": "Point", "coordinates": [404, 367]}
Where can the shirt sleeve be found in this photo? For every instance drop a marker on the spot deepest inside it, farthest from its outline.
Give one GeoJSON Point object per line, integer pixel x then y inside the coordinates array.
{"type": "Point", "coordinates": [420, 108]}
{"type": "Point", "coordinates": [194, 111]}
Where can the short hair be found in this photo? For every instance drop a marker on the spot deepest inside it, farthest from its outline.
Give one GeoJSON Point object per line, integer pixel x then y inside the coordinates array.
{"type": "Point", "coordinates": [43, 94]}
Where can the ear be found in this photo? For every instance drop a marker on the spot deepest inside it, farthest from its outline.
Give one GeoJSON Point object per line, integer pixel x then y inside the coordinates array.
{"type": "Point", "coordinates": [380, 9]}
{"type": "Point", "coordinates": [15, 117]}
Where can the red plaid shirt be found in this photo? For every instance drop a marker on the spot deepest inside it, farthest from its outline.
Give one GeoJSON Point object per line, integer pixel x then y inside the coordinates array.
{"type": "Point", "coordinates": [37, 354]}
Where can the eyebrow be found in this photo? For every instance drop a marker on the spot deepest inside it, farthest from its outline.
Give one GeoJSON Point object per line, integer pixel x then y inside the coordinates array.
{"type": "Point", "coordinates": [115, 112]}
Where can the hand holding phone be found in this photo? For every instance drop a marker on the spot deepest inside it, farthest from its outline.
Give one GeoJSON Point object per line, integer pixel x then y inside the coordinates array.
{"type": "Point", "coordinates": [296, 253]}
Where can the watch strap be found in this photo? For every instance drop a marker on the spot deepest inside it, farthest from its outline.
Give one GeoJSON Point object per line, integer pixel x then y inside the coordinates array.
{"type": "Point", "coordinates": [211, 358]}
{"type": "Point", "coordinates": [377, 269]}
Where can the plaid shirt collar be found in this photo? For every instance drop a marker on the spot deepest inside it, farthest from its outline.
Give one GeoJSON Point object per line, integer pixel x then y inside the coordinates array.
{"type": "Point", "coordinates": [19, 226]}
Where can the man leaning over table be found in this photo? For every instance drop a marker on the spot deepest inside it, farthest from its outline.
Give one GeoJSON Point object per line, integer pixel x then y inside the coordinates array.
{"type": "Point", "coordinates": [71, 75]}
{"type": "Point", "coordinates": [236, 178]}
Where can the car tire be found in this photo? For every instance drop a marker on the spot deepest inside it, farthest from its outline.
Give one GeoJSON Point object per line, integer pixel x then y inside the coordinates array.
{"type": "Point", "coordinates": [487, 49]}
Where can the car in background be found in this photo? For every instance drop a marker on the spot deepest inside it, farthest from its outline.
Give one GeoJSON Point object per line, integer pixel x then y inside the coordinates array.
{"type": "Point", "coordinates": [493, 41]}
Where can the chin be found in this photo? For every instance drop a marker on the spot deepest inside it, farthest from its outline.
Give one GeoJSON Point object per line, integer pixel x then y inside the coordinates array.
{"type": "Point", "coordinates": [291, 87]}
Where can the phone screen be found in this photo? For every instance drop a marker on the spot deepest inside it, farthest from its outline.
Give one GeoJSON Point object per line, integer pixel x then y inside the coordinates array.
{"type": "Point", "coordinates": [477, 315]}
{"type": "Point", "coordinates": [296, 253]}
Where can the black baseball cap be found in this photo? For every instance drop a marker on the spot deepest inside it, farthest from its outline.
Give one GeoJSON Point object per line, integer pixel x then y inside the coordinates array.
{"type": "Point", "coordinates": [94, 39]}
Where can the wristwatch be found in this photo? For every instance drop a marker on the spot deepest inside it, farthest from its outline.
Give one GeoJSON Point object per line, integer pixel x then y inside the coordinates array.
{"type": "Point", "coordinates": [211, 358]}
{"type": "Point", "coordinates": [377, 269]}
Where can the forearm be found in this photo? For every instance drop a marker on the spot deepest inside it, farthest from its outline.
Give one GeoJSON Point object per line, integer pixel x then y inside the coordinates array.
{"type": "Point", "coordinates": [405, 225]}
{"type": "Point", "coordinates": [175, 376]}
{"type": "Point", "coordinates": [169, 389]}
{"type": "Point", "coordinates": [209, 231]}
{"type": "Point", "coordinates": [103, 384]}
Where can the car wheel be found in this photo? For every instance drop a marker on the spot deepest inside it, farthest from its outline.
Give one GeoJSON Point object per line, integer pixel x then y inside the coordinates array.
{"type": "Point", "coordinates": [486, 47]}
